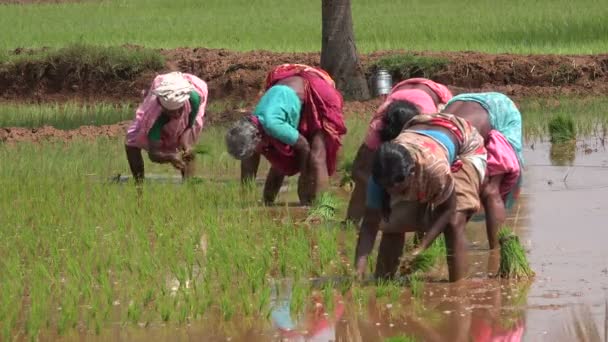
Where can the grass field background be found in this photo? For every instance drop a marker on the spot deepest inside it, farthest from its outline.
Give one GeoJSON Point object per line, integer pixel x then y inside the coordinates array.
{"type": "Point", "coordinates": [517, 26]}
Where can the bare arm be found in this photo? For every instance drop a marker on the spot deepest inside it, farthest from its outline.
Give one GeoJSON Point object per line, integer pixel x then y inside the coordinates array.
{"type": "Point", "coordinates": [360, 172]}
{"type": "Point", "coordinates": [249, 168]}
{"type": "Point", "coordinates": [366, 239]}
{"type": "Point", "coordinates": [494, 207]}
{"type": "Point", "coordinates": [441, 215]}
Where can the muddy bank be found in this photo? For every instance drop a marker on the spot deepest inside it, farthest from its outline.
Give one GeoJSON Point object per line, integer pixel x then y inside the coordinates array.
{"type": "Point", "coordinates": [240, 75]}
{"type": "Point", "coordinates": [49, 133]}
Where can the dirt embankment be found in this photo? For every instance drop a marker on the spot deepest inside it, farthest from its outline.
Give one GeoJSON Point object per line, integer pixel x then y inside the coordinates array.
{"type": "Point", "coordinates": [47, 133]}
{"type": "Point", "coordinates": [240, 75]}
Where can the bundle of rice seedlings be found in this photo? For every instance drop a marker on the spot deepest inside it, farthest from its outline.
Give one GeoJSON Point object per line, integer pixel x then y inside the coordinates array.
{"type": "Point", "coordinates": [562, 129]}
{"type": "Point", "coordinates": [324, 208]}
{"type": "Point", "coordinates": [424, 261]}
{"type": "Point", "coordinates": [513, 261]}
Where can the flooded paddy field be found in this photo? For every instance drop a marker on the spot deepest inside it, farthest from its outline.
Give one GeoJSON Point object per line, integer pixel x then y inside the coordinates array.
{"type": "Point", "coordinates": [209, 263]}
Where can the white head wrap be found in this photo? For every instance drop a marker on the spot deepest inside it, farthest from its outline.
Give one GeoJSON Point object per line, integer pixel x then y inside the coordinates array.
{"type": "Point", "coordinates": [173, 90]}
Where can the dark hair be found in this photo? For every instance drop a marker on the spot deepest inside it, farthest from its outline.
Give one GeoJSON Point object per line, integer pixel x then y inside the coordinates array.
{"type": "Point", "coordinates": [392, 164]}
{"type": "Point", "coordinates": [395, 117]}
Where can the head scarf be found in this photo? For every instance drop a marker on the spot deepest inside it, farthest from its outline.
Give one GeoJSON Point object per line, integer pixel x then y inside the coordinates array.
{"type": "Point", "coordinates": [173, 90]}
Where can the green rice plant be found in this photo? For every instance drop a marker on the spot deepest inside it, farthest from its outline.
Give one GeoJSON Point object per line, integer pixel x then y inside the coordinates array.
{"type": "Point", "coordinates": [589, 115]}
{"type": "Point", "coordinates": [408, 65]}
{"type": "Point", "coordinates": [518, 26]}
{"type": "Point", "coordinates": [402, 338]}
{"type": "Point", "coordinates": [513, 261]}
{"type": "Point", "coordinates": [426, 260]}
{"type": "Point", "coordinates": [562, 129]}
{"type": "Point", "coordinates": [390, 289]}
{"type": "Point", "coordinates": [416, 285]}
{"type": "Point", "coordinates": [69, 115]}
{"type": "Point", "coordinates": [324, 207]}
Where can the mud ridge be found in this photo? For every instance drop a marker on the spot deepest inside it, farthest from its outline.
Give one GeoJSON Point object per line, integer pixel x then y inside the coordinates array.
{"type": "Point", "coordinates": [240, 75]}
{"type": "Point", "coordinates": [10, 135]}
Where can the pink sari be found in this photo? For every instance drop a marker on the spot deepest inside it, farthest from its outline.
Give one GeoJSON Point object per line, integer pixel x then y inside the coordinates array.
{"type": "Point", "coordinates": [150, 109]}
{"type": "Point", "coordinates": [442, 92]}
{"type": "Point", "coordinates": [503, 160]}
{"type": "Point", "coordinates": [418, 97]}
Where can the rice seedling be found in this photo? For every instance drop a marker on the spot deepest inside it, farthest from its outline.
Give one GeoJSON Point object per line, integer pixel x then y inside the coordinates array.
{"type": "Point", "coordinates": [390, 289]}
{"type": "Point", "coordinates": [416, 285]}
{"type": "Point", "coordinates": [588, 115]}
{"type": "Point", "coordinates": [324, 207]}
{"type": "Point", "coordinates": [424, 261]}
{"type": "Point", "coordinates": [562, 129]}
{"type": "Point", "coordinates": [513, 261]}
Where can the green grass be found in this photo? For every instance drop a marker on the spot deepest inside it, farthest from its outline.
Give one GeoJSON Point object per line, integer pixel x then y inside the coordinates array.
{"type": "Point", "coordinates": [84, 60]}
{"type": "Point", "coordinates": [68, 115]}
{"type": "Point", "coordinates": [518, 26]}
{"type": "Point", "coordinates": [590, 115]}
{"type": "Point", "coordinates": [562, 129]}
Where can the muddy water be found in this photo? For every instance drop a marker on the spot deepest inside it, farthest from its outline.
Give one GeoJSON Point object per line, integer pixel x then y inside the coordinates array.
{"type": "Point", "coordinates": [561, 219]}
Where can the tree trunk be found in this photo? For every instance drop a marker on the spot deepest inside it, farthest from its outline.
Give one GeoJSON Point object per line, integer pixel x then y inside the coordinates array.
{"type": "Point", "coordinates": [338, 51]}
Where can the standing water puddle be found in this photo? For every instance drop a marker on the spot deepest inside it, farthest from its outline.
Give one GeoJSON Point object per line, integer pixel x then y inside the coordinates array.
{"type": "Point", "coordinates": [560, 218]}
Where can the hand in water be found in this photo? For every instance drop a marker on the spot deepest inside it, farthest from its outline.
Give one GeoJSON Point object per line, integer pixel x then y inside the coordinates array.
{"type": "Point", "coordinates": [177, 162]}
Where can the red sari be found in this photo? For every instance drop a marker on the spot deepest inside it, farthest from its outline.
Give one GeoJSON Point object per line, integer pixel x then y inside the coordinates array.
{"type": "Point", "coordinates": [321, 110]}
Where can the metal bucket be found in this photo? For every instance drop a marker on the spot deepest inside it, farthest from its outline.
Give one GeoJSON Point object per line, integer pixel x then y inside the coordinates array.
{"type": "Point", "coordinates": [383, 82]}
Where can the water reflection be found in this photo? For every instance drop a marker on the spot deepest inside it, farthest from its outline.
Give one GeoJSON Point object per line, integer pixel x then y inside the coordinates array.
{"type": "Point", "coordinates": [477, 310]}
{"type": "Point", "coordinates": [318, 323]}
{"type": "Point", "coordinates": [563, 154]}
{"type": "Point", "coordinates": [488, 310]}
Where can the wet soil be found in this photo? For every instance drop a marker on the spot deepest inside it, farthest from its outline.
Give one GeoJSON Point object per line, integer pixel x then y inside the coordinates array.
{"type": "Point", "coordinates": [49, 133]}
{"type": "Point", "coordinates": [240, 75]}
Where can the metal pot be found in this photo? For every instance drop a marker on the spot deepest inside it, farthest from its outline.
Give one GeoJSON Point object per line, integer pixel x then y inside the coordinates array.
{"type": "Point", "coordinates": [382, 82]}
